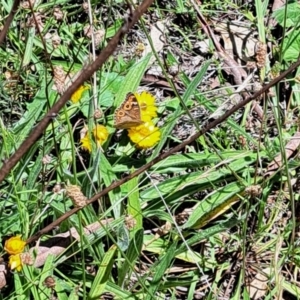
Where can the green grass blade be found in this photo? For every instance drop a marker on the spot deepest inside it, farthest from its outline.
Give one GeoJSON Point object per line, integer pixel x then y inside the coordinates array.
{"type": "Point", "coordinates": [183, 185]}
{"type": "Point", "coordinates": [29, 43]}
{"type": "Point", "coordinates": [108, 177]}
{"type": "Point", "coordinates": [160, 269]}
{"type": "Point", "coordinates": [215, 204]}
{"type": "Point", "coordinates": [132, 79]}
{"type": "Point", "coordinates": [206, 233]}
{"type": "Point", "coordinates": [134, 206]}
{"type": "Point", "coordinates": [132, 254]}
{"type": "Point", "coordinates": [19, 289]}
{"type": "Point", "coordinates": [167, 129]}
{"type": "Point", "coordinates": [103, 274]}
{"type": "Point", "coordinates": [47, 271]}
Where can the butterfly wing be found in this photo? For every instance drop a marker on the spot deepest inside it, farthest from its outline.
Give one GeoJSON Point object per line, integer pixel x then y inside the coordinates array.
{"type": "Point", "coordinates": [128, 114]}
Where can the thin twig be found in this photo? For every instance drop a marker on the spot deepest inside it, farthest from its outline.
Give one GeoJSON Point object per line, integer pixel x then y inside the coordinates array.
{"type": "Point", "coordinates": [8, 21]}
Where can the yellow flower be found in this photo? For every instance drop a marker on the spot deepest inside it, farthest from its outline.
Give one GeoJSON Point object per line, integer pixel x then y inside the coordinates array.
{"type": "Point", "coordinates": [14, 245]}
{"type": "Point", "coordinates": [76, 96]}
{"type": "Point", "coordinates": [144, 136]}
{"type": "Point", "coordinates": [147, 106]}
{"type": "Point", "coordinates": [86, 143]}
{"type": "Point", "coordinates": [15, 262]}
{"type": "Point", "coordinates": [101, 134]}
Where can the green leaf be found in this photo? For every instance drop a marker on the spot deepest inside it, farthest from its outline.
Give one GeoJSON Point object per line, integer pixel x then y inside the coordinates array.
{"type": "Point", "coordinates": [108, 177]}
{"type": "Point", "coordinates": [119, 292]}
{"type": "Point", "coordinates": [29, 44]}
{"type": "Point", "coordinates": [132, 80]}
{"type": "Point", "coordinates": [47, 271]}
{"type": "Point", "coordinates": [123, 237]}
{"type": "Point", "coordinates": [172, 120]}
{"type": "Point", "coordinates": [160, 269]}
{"type": "Point", "coordinates": [288, 14]}
{"type": "Point", "coordinates": [104, 271]}
{"type": "Point", "coordinates": [291, 46]}
{"type": "Point", "coordinates": [207, 233]}
{"type": "Point", "coordinates": [134, 205]}
{"type": "Point", "coordinates": [214, 204]}
{"type": "Point", "coordinates": [183, 185]}
{"type": "Point", "coordinates": [133, 252]}
{"type": "Point", "coordinates": [19, 290]}
{"type": "Point", "coordinates": [30, 118]}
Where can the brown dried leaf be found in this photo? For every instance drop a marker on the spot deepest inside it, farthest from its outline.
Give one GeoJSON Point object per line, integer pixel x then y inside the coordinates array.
{"type": "Point", "coordinates": [58, 243]}
{"type": "Point", "coordinates": [259, 285]}
{"type": "Point", "coordinates": [290, 148]}
{"type": "Point", "coordinates": [3, 272]}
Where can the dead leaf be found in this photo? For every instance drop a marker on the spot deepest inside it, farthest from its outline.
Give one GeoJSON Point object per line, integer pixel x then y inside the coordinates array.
{"type": "Point", "coordinates": [58, 243]}
{"type": "Point", "coordinates": [259, 285]}
{"type": "Point", "coordinates": [290, 148]}
{"type": "Point", "coordinates": [237, 39]}
{"type": "Point", "coordinates": [3, 272]}
{"type": "Point", "coordinates": [157, 38]}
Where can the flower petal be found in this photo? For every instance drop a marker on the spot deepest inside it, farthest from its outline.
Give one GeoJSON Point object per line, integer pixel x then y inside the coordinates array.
{"type": "Point", "coordinates": [147, 106]}
{"type": "Point", "coordinates": [144, 136]}
{"type": "Point", "coordinates": [14, 245]}
{"type": "Point", "coordinates": [15, 262]}
{"type": "Point", "coordinates": [101, 134]}
{"type": "Point", "coordinates": [76, 96]}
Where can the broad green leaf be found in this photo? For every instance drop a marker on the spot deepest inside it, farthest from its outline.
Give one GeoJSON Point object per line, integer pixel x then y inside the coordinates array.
{"type": "Point", "coordinates": [288, 16]}
{"type": "Point", "coordinates": [19, 289]}
{"type": "Point", "coordinates": [31, 277]}
{"type": "Point", "coordinates": [171, 121]}
{"type": "Point", "coordinates": [132, 254]}
{"type": "Point", "coordinates": [47, 271]}
{"type": "Point", "coordinates": [160, 269]}
{"type": "Point", "coordinates": [207, 233]}
{"type": "Point", "coordinates": [34, 112]}
{"type": "Point", "coordinates": [132, 80]}
{"type": "Point", "coordinates": [103, 274]}
{"type": "Point", "coordinates": [60, 291]}
{"type": "Point", "coordinates": [106, 173]}
{"type": "Point", "coordinates": [122, 238]}
{"type": "Point", "coordinates": [292, 288]}
{"type": "Point", "coordinates": [183, 185]}
{"type": "Point", "coordinates": [215, 204]}
{"type": "Point", "coordinates": [134, 206]}
{"type": "Point", "coordinates": [291, 46]}
{"type": "Point", "coordinates": [119, 292]}
{"type": "Point", "coordinates": [29, 43]}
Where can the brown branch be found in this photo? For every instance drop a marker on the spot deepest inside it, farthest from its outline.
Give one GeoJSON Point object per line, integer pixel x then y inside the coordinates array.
{"type": "Point", "coordinates": [86, 73]}
{"type": "Point", "coordinates": [162, 156]}
{"type": "Point", "coordinates": [9, 20]}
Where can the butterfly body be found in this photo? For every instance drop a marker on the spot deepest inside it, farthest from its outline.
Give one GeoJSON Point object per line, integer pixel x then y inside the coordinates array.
{"type": "Point", "coordinates": [128, 114]}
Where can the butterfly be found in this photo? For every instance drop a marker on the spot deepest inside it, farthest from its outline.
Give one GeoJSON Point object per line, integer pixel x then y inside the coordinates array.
{"type": "Point", "coordinates": [128, 114]}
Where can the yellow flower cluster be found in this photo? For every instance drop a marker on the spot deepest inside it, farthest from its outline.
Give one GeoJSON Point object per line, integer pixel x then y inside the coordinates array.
{"type": "Point", "coordinates": [100, 134]}
{"type": "Point", "coordinates": [146, 135]}
{"type": "Point", "coordinates": [76, 96]}
{"type": "Point", "coordinates": [15, 246]}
